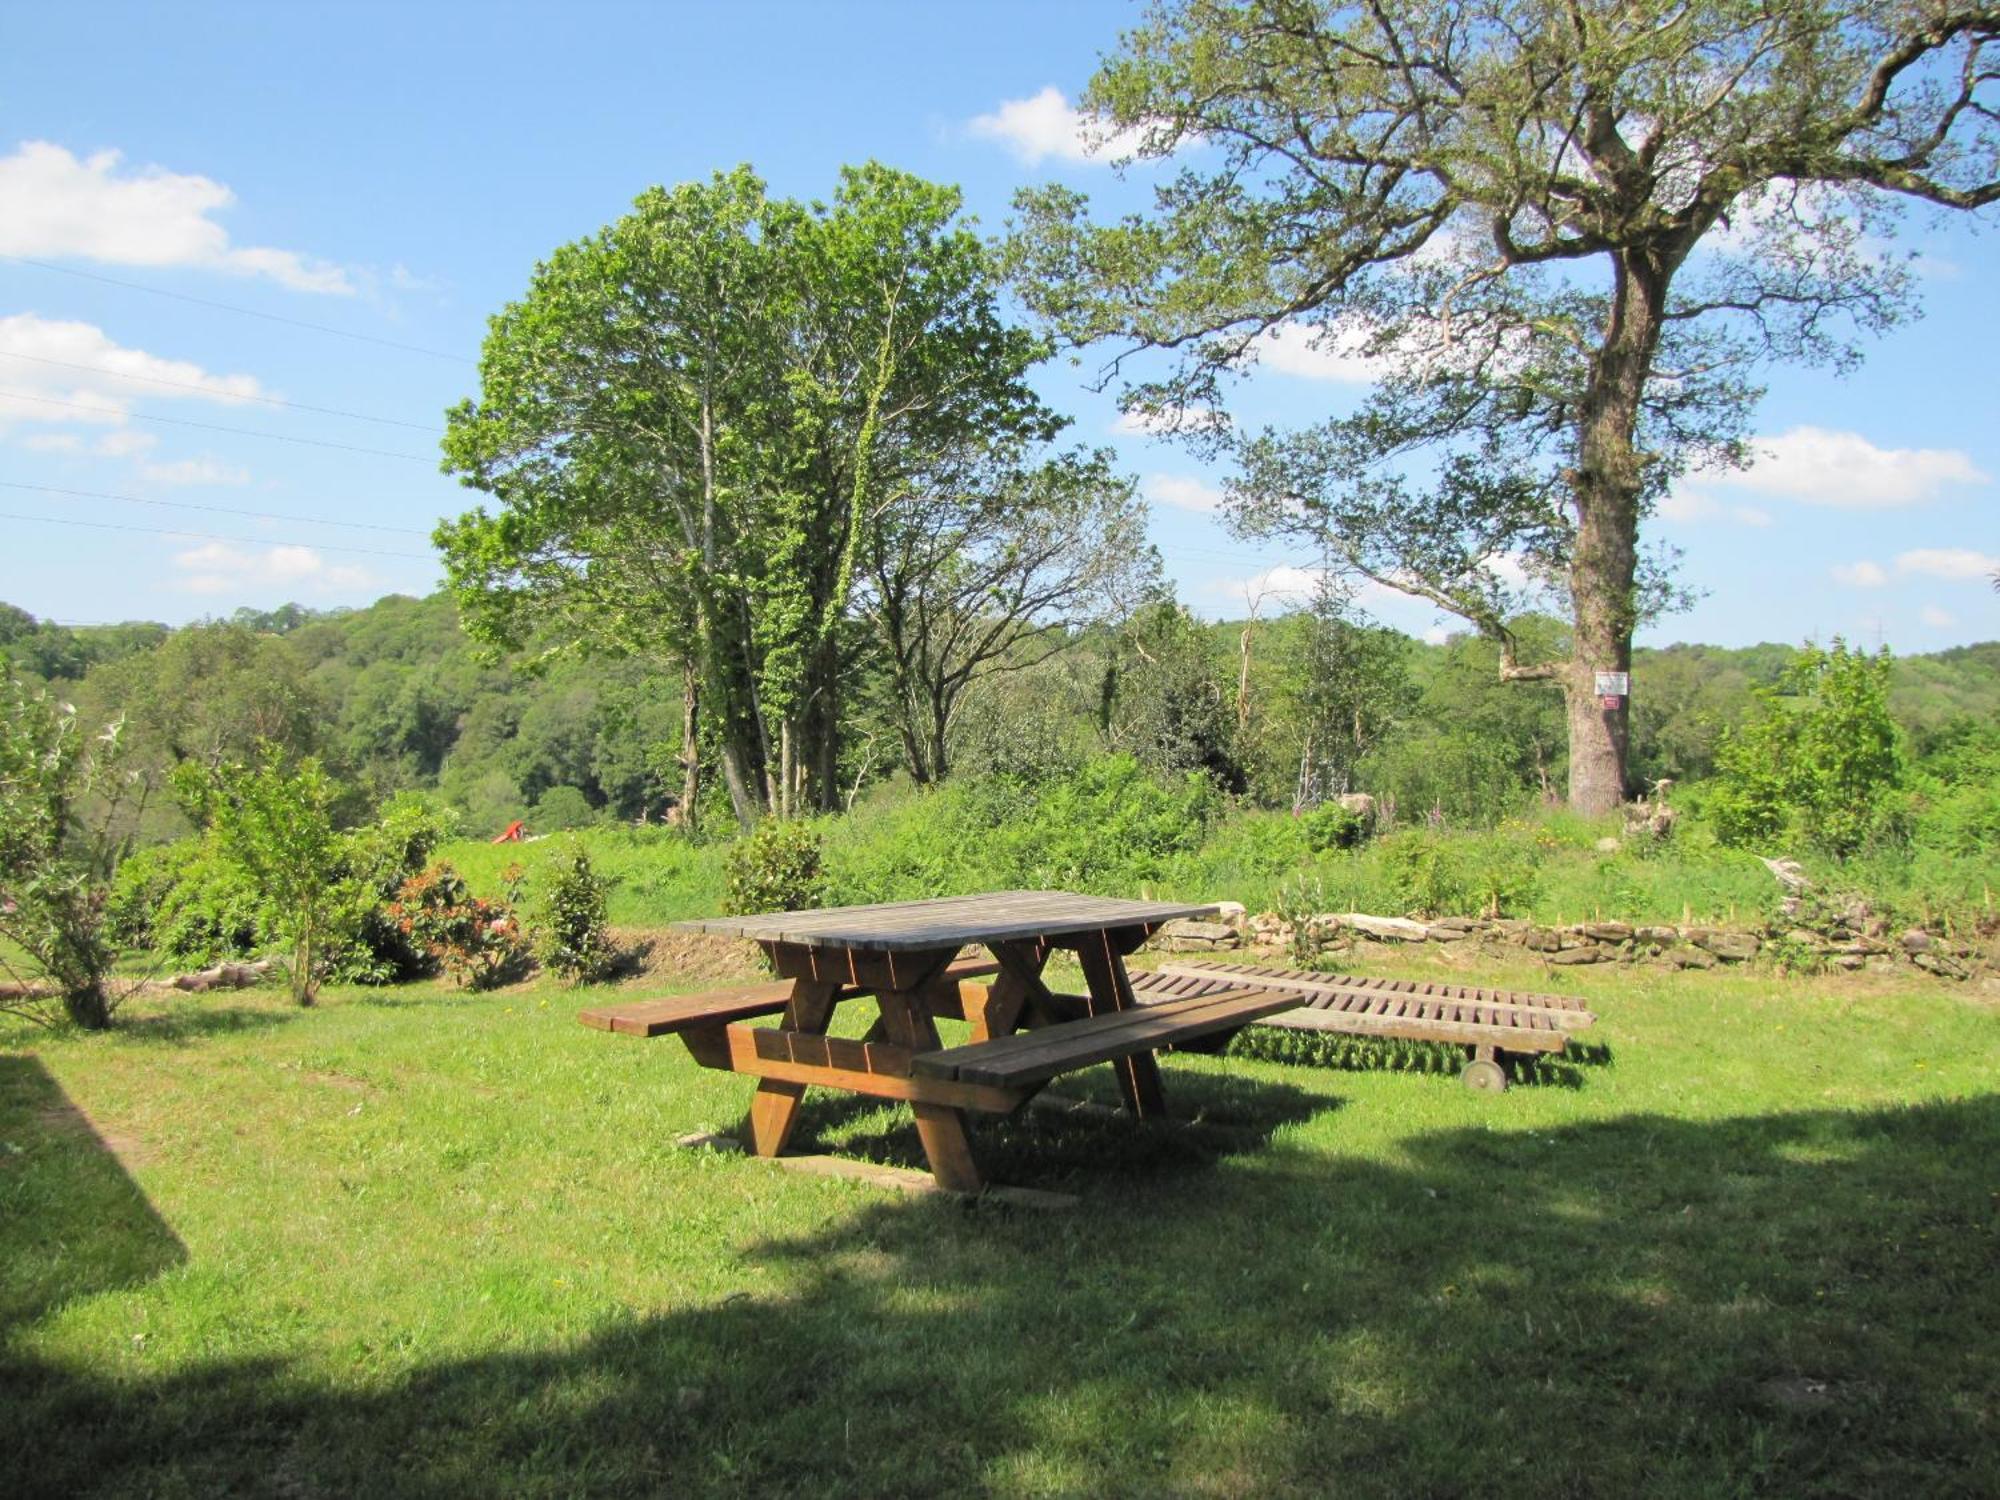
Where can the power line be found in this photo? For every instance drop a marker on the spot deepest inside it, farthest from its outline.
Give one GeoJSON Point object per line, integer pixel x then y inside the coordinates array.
{"type": "Point", "coordinates": [213, 394]}
{"type": "Point", "coordinates": [248, 312]}
{"type": "Point", "coordinates": [209, 536]}
{"type": "Point", "coordinates": [223, 510]}
{"type": "Point", "coordinates": [276, 437]}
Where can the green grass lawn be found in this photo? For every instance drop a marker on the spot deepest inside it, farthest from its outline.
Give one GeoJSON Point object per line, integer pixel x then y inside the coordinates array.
{"type": "Point", "coordinates": [425, 1243]}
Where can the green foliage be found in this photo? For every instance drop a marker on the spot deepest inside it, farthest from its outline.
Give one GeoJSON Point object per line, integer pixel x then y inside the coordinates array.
{"type": "Point", "coordinates": [1818, 763]}
{"type": "Point", "coordinates": [277, 826]}
{"type": "Point", "coordinates": [476, 942]}
{"type": "Point", "coordinates": [776, 867]}
{"type": "Point", "coordinates": [187, 902]}
{"type": "Point", "coordinates": [379, 859]}
{"type": "Point", "coordinates": [1331, 826]}
{"type": "Point", "coordinates": [1438, 875]}
{"type": "Point", "coordinates": [55, 863]}
{"type": "Point", "coordinates": [567, 922]}
{"type": "Point", "coordinates": [560, 809]}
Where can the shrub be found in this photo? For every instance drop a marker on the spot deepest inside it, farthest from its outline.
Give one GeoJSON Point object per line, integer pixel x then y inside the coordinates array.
{"type": "Point", "coordinates": [777, 867]}
{"type": "Point", "coordinates": [568, 924]}
{"type": "Point", "coordinates": [276, 825]}
{"type": "Point", "coordinates": [560, 809]}
{"type": "Point", "coordinates": [1819, 760]}
{"type": "Point", "coordinates": [186, 902]}
{"type": "Point", "coordinates": [380, 859]}
{"type": "Point", "coordinates": [1331, 826]}
{"type": "Point", "coordinates": [1437, 874]}
{"type": "Point", "coordinates": [476, 943]}
{"type": "Point", "coordinates": [1111, 827]}
{"type": "Point", "coordinates": [55, 864]}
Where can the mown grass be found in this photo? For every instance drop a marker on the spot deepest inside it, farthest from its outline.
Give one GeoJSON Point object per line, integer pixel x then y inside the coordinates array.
{"type": "Point", "coordinates": [426, 1243]}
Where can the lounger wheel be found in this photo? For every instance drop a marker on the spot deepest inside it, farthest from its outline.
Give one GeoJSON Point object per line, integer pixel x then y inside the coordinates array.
{"type": "Point", "coordinates": [1484, 1074]}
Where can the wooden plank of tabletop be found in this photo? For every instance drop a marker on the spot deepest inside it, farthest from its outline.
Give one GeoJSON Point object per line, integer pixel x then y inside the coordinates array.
{"type": "Point", "coordinates": [949, 921]}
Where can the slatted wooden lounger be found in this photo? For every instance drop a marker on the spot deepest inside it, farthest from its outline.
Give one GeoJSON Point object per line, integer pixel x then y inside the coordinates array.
{"type": "Point", "coordinates": [1490, 1023]}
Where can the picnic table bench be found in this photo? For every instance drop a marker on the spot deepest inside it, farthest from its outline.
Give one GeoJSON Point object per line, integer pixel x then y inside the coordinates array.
{"type": "Point", "coordinates": [905, 957]}
{"type": "Point", "coordinates": [1491, 1024]}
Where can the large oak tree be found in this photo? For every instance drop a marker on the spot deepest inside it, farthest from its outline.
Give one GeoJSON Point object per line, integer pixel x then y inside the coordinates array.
{"type": "Point", "coordinates": [1563, 235]}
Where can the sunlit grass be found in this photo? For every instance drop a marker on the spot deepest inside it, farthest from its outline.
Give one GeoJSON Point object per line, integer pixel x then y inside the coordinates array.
{"type": "Point", "coordinates": [428, 1243]}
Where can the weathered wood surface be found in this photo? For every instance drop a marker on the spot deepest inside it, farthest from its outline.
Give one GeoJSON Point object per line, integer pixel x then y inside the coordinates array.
{"type": "Point", "coordinates": [1033, 1057]}
{"type": "Point", "coordinates": [673, 1013]}
{"type": "Point", "coordinates": [949, 921]}
{"type": "Point", "coordinates": [1409, 1010]}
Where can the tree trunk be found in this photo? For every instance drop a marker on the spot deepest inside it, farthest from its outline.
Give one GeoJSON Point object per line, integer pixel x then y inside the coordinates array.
{"type": "Point", "coordinates": [87, 1007]}
{"type": "Point", "coordinates": [690, 741]}
{"type": "Point", "coordinates": [1604, 559]}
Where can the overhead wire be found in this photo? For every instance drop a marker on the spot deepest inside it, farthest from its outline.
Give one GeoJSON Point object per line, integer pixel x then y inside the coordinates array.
{"type": "Point", "coordinates": [214, 394]}
{"type": "Point", "coordinates": [276, 437]}
{"type": "Point", "coordinates": [224, 510]}
{"type": "Point", "coordinates": [248, 312]}
{"type": "Point", "coordinates": [209, 536]}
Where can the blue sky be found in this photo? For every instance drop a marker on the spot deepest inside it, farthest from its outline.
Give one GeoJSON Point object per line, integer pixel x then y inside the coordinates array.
{"type": "Point", "coordinates": [394, 171]}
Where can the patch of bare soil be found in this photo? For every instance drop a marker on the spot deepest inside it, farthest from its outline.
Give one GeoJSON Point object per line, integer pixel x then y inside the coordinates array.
{"type": "Point", "coordinates": [657, 953]}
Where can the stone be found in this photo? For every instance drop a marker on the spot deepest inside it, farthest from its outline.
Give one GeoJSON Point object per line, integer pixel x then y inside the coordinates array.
{"type": "Point", "coordinates": [1362, 805]}
{"type": "Point", "coordinates": [1391, 929]}
{"type": "Point", "coordinates": [1592, 954]}
{"type": "Point", "coordinates": [1608, 845]}
{"type": "Point", "coordinates": [1692, 958]}
{"type": "Point", "coordinates": [1656, 934]}
{"type": "Point", "coordinates": [1437, 932]}
{"type": "Point", "coordinates": [1233, 915]}
{"type": "Point", "coordinates": [1916, 940]}
{"type": "Point", "coordinates": [1540, 940]}
{"type": "Point", "coordinates": [1848, 961]}
{"type": "Point", "coordinates": [1607, 932]}
{"type": "Point", "coordinates": [1806, 938]}
{"type": "Point", "coordinates": [1942, 965]}
{"type": "Point", "coordinates": [1186, 935]}
{"type": "Point", "coordinates": [1735, 947]}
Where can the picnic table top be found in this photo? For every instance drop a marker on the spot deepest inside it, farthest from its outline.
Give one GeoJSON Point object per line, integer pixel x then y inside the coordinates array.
{"type": "Point", "coordinates": [949, 921]}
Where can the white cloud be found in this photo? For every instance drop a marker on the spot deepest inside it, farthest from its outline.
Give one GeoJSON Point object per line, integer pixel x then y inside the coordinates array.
{"type": "Point", "coordinates": [1689, 506]}
{"type": "Point", "coordinates": [1816, 466]}
{"type": "Point", "coordinates": [1044, 125]}
{"type": "Point", "coordinates": [1953, 563]}
{"type": "Point", "coordinates": [1168, 422]}
{"type": "Point", "coordinates": [222, 568]}
{"type": "Point", "coordinates": [1283, 585]}
{"type": "Point", "coordinates": [1936, 618]}
{"type": "Point", "coordinates": [1860, 575]}
{"type": "Point", "coordinates": [54, 204]}
{"type": "Point", "coordinates": [80, 364]}
{"type": "Point", "coordinates": [124, 443]}
{"type": "Point", "coordinates": [52, 442]}
{"type": "Point", "coordinates": [1336, 352]}
{"type": "Point", "coordinates": [203, 470]}
{"type": "Point", "coordinates": [1437, 635]}
{"type": "Point", "coordinates": [1183, 493]}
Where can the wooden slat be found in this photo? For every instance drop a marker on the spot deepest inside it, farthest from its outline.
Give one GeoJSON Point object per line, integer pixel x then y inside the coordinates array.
{"type": "Point", "coordinates": [1564, 1011]}
{"type": "Point", "coordinates": [748, 1049]}
{"type": "Point", "coordinates": [673, 1013]}
{"type": "Point", "coordinates": [1036, 1056]}
{"type": "Point", "coordinates": [950, 921]}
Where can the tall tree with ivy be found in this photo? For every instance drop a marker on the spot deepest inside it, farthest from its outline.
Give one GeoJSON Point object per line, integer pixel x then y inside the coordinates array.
{"type": "Point", "coordinates": [1563, 236]}
{"type": "Point", "coordinates": [692, 420]}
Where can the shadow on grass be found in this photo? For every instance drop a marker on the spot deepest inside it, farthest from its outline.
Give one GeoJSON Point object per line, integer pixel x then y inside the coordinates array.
{"type": "Point", "coordinates": [196, 1017]}
{"type": "Point", "coordinates": [72, 1221]}
{"type": "Point", "coordinates": [1791, 1304]}
{"type": "Point", "coordinates": [1357, 1054]}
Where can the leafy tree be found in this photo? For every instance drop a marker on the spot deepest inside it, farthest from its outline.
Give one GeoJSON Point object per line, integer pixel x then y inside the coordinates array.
{"type": "Point", "coordinates": [569, 917]}
{"type": "Point", "coordinates": [1352, 687]}
{"type": "Point", "coordinates": [989, 568]}
{"type": "Point", "coordinates": [693, 418]}
{"type": "Point", "coordinates": [1820, 759]}
{"type": "Point", "coordinates": [1165, 701]}
{"type": "Point", "coordinates": [277, 826]}
{"type": "Point", "coordinates": [56, 864]}
{"type": "Point", "coordinates": [1564, 237]}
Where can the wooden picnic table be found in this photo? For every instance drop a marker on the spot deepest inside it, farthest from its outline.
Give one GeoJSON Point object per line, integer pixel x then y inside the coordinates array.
{"type": "Point", "coordinates": [904, 956]}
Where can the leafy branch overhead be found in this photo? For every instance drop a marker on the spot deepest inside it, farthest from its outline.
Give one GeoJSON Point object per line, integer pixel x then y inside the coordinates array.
{"type": "Point", "coordinates": [1560, 241]}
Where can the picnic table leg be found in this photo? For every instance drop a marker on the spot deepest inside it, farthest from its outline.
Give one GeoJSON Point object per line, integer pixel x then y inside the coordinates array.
{"type": "Point", "coordinates": [940, 1127]}
{"type": "Point", "coordinates": [1102, 956]}
{"type": "Point", "coordinates": [774, 1108]}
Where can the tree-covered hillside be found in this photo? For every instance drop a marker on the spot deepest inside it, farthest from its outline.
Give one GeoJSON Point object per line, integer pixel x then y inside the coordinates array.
{"type": "Point", "coordinates": [1277, 712]}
